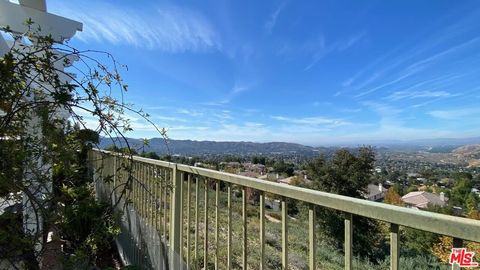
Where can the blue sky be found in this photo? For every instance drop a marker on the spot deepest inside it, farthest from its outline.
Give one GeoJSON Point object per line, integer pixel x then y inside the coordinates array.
{"type": "Point", "coordinates": [311, 72]}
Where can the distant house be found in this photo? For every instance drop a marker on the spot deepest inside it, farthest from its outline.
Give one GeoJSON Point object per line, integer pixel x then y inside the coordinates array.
{"type": "Point", "coordinates": [476, 191]}
{"type": "Point", "coordinates": [258, 168]}
{"type": "Point", "coordinates": [421, 179]}
{"type": "Point", "coordinates": [421, 199]}
{"type": "Point", "coordinates": [375, 192]}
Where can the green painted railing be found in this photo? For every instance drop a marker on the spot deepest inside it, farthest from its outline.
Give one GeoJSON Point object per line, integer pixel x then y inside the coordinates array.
{"type": "Point", "coordinates": [161, 191]}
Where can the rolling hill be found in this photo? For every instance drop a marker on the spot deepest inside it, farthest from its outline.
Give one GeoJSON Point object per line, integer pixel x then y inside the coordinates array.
{"type": "Point", "coordinates": [190, 147]}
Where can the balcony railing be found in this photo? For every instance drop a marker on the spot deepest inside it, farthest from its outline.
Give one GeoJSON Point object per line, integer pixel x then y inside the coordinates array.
{"type": "Point", "coordinates": [165, 194]}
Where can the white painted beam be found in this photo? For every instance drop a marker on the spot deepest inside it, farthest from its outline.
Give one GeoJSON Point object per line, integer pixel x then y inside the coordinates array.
{"type": "Point", "coordinates": [14, 16]}
{"type": "Point", "coordinates": [36, 4]}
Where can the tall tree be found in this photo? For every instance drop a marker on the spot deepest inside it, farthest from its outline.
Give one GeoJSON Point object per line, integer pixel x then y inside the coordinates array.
{"type": "Point", "coordinates": [346, 174]}
{"type": "Point", "coordinates": [392, 197]}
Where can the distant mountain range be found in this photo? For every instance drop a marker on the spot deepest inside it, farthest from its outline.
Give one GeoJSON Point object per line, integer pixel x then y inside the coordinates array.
{"type": "Point", "coordinates": [191, 147]}
{"type": "Point", "coordinates": [439, 142]}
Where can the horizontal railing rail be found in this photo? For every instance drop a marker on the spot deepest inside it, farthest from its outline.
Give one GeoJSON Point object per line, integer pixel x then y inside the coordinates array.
{"type": "Point", "coordinates": [457, 227]}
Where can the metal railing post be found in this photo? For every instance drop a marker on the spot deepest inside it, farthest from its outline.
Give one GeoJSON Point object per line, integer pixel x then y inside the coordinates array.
{"type": "Point", "coordinates": [394, 247]}
{"type": "Point", "coordinates": [312, 237]}
{"type": "Point", "coordinates": [175, 220]}
{"type": "Point", "coordinates": [244, 231]}
{"type": "Point", "coordinates": [284, 234]}
{"type": "Point", "coordinates": [262, 230]}
{"type": "Point", "coordinates": [348, 241]}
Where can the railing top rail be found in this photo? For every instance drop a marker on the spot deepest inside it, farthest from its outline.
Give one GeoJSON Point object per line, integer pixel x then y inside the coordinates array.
{"type": "Point", "coordinates": [458, 227]}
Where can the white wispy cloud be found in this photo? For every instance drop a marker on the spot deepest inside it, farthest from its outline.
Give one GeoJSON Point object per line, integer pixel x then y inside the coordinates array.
{"type": "Point", "coordinates": [187, 128]}
{"type": "Point", "coordinates": [408, 59]}
{"type": "Point", "coordinates": [238, 89]}
{"type": "Point", "coordinates": [384, 110]}
{"type": "Point", "coordinates": [389, 116]}
{"type": "Point", "coordinates": [157, 108]}
{"type": "Point", "coordinates": [167, 27]}
{"type": "Point", "coordinates": [418, 94]}
{"type": "Point", "coordinates": [190, 112]}
{"type": "Point", "coordinates": [317, 120]}
{"type": "Point", "coordinates": [272, 19]}
{"type": "Point", "coordinates": [351, 110]}
{"type": "Point", "coordinates": [437, 56]}
{"type": "Point", "coordinates": [350, 41]}
{"type": "Point", "coordinates": [216, 103]}
{"type": "Point", "coordinates": [364, 71]}
{"type": "Point", "coordinates": [456, 114]}
{"type": "Point", "coordinates": [222, 115]}
{"type": "Point", "coordinates": [389, 83]}
{"type": "Point", "coordinates": [253, 124]}
{"type": "Point", "coordinates": [364, 83]}
{"type": "Point", "coordinates": [394, 124]}
{"type": "Point", "coordinates": [168, 118]}
{"type": "Point", "coordinates": [319, 50]}
{"type": "Point", "coordinates": [322, 49]}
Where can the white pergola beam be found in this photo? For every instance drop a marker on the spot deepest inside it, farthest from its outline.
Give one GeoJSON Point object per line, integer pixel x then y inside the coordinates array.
{"type": "Point", "coordinates": [36, 4]}
{"type": "Point", "coordinates": [14, 16]}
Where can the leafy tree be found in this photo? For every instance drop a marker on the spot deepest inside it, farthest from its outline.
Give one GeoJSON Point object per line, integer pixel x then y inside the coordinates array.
{"type": "Point", "coordinates": [476, 181]}
{"type": "Point", "coordinates": [474, 214]}
{"type": "Point", "coordinates": [412, 189]}
{"type": "Point", "coordinates": [346, 174]}
{"type": "Point", "coordinates": [428, 174]}
{"type": "Point", "coordinates": [44, 155]}
{"type": "Point", "coordinates": [113, 148]}
{"type": "Point", "coordinates": [460, 191]}
{"type": "Point", "coordinates": [392, 197]}
{"type": "Point", "coordinates": [124, 150]}
{"type": "Point", "coordinates": [151, 155]}
{"type": "Point", "coordinates": [419, 242]}
{"type": "Point", "coordinates": [283, 167]}
{"type": "Point", "coordinates": [472, 202]}
{"type": "Point", "coordinates": [259, 160]}
{"type": "Point", "coordinates": [384, 172]}
{"type": "Point", "coordinates": [462, 175]}
{"type": "Point", "coordinates": [399, 189]}
{"type": "Point", "coordinates": [297, 181]}
{"type": "Point", "coordinates": [394, 176]}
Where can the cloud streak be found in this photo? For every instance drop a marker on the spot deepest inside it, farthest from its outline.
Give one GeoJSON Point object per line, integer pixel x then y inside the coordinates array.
{"type": "Point", "coordinates": [398, 95]}
{"type": "Point", "coordinates": [272, 20]}
{"type": "Point", "coordinates": [323, 50]}
{"type": "Point", "coordinates": [167, 28]}
{"type": "Point", "coordinates": [314, 121]}
{"type": "Point", "coordinates": [457, 114]}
